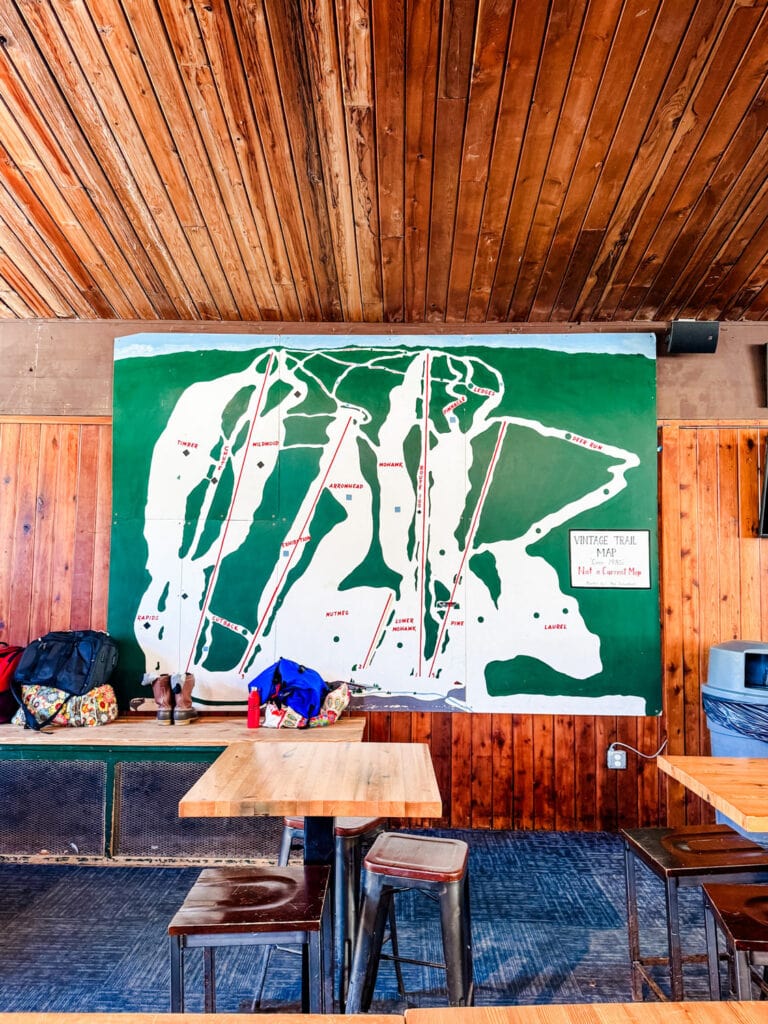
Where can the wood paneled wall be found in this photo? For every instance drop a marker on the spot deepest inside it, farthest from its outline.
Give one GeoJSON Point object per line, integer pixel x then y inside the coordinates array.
{"type": "Point", "coordinates": [55, 511]}
{"type": "Point", "coordinates": [714, 570]}
{"type": "Point", "coordinates": [495, 771]}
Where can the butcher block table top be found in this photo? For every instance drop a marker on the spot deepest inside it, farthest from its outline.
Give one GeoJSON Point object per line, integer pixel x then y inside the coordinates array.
{"type": "Point", "coordinates": [376, 780]}
{"type": "Point", "coordinates": [208, 731]}
{"type": "Point", "coordinates": [596, 1013]}
{"type": "Point", "coordinates": [737, 786]}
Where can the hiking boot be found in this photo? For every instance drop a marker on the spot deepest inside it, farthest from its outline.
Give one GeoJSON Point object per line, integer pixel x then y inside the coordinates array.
{"type": "Point", "coordinates": [161, 691]}
{"type": "Point", "coordinates": [182, 684]}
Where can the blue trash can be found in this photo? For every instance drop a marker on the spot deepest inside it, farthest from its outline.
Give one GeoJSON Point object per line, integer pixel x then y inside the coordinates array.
{"type": "Point", "coordinates": [735, 700]}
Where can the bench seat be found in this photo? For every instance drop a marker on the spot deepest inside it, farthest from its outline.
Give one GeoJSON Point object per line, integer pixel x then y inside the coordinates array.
{"type": "Point", "coordinates": [208, 731]}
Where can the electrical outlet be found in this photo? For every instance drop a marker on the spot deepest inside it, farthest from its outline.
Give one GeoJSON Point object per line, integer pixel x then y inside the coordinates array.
{"type": "Point", "coordinates": [617, 758]}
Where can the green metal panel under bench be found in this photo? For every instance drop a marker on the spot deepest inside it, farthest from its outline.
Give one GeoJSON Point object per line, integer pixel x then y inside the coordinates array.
{"type": "Point", "coordinates": [112, 792]}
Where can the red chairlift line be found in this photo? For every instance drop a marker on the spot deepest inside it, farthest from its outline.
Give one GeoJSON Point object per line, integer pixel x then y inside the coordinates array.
{"type": "Point", "coordinates": [467, 543]}
{"type": "Point", "coordinates": [211, 582]}
{"type": "Point", "coordinates": [294, 549]}
{"type": "Point", "coordinates": [376, 632]}
{"type": "Point", "coordinates": [424, 508]}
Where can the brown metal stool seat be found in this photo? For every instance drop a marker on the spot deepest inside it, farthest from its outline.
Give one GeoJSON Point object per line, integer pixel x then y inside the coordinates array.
{"type": "Point", "coordinates": [436, 866]}
{"type": "Point", "coordinates": [348, 827]}
{"type": "Point", "coordinates": [740, 913]}
{"type": "Point", "coordinates": [349, 834]}
{"type": "Point", "coordinates": [690, 855]}
{"type": "Point", "coordinates": [255, 906]}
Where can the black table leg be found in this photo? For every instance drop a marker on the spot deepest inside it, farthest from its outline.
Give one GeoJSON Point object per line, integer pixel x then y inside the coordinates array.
{"type": "Point", "coordinates": [318, 840]}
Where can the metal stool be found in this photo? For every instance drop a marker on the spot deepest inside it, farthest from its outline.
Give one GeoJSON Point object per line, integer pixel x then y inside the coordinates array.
{"type": "Point", "coordinates": [691, 855]}
{"type": "Point", "coordinates": [436, 866]}
{"type": "Point", "coordinates": [255, 906]}
{"type": "Point", "coordinates": [349, 834]}
{"type": "Point", "coordinates": [740, 912]}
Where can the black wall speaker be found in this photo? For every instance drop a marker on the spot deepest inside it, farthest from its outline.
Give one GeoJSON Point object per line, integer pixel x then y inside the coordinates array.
{"type": "Point", "coordinates": [692, 336]}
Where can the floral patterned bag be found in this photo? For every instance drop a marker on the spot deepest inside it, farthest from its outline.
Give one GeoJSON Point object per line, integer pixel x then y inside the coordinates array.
{"type": "Point", "coordinates": [55, 707]}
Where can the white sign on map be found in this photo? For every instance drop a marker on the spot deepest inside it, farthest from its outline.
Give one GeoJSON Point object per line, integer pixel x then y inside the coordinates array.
{"type": "Point", "coordinates": [610, 558]}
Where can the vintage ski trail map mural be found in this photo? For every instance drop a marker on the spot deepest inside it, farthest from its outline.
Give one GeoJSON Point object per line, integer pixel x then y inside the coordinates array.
{"type": "Point", "coordinates": [452, 522]}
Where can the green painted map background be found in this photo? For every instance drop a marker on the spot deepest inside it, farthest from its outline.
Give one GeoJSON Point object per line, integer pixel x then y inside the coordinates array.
{"type": "Point", "coordinates": [604, 395]}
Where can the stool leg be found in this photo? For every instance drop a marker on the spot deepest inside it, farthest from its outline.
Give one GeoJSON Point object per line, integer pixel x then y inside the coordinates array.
{"type": "Point", "coordinates": [743, 976]}
{"type": "Point", "coordinates": [370, 932]}
{"type": "Point", "coordinates": [377, 940]}
{"type": "Point", "coordinates": [345, 897]}
{"type": "Point", "coordinates": [673, 936]}
{"type": "Point", "coordinates": [316, 978]}
{"type": "Point", "coordinates": [177, 975]}
{"type": "Point", "coordinates": [258, 995]}
{"type": "Point", "coordinates": [395, 948]}
{"type": "Point", "coordinates": [455, 941]}
{"type": "Point", "coordinates": [316, 975]}
{"type": "Point", "coordinates": [209, 979]}
{"type": "Point", "coordinates": [469, 973]}
{"type": "Point", "coordinates": [326, 955]}
{"type": "Point", "coordinates": [306, 978]}
{"type": "Point", "coordinates": [633, 929]}
{"type": "Point", "coordinates": [713, 961]}
{"type": "Point", "coordinates": [286, 842]}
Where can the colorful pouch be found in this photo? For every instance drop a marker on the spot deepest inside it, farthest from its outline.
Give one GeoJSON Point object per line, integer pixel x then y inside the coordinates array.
{"type": "Point", "coordinates": [333, 706]}
{"type": "Point", "coordinates": [97, 707]}
{"type": "Point", "coordinates": [282, 717]}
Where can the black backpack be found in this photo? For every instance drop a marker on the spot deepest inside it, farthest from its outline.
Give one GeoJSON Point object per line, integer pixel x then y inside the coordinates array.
{"type": "Point", "coordinates": [75, 661]}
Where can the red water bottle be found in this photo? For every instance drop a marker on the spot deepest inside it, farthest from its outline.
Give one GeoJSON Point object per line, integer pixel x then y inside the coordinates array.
{"type": "Point", "coordinates": [254, 709]}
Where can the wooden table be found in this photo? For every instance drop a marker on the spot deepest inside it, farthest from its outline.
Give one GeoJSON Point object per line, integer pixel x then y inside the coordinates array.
{"type": "Point", "coordinates": [596, 1013]}
{"type": "Point", "coordinates": [737, 786]}
{"type": "Point", "coordinates": [319, 781]}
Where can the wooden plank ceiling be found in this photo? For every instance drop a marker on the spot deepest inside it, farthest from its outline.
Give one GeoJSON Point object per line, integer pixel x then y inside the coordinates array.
{"type": "Point", "coordinates": [384, 160]}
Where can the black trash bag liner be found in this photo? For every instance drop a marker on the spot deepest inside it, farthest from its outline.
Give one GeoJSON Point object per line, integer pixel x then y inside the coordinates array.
{"type": "Point", "coordinates": [745, 719]}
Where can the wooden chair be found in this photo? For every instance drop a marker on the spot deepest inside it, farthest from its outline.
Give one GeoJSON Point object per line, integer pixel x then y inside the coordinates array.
{"type": "Point", "coordinates": [436, 866]}
{"type": "Point", "coordinates": [690, 855]}
{"type": "Point", "coordinates": [256, 906]}
{"type": "Point", "coordinates": [740, 914]}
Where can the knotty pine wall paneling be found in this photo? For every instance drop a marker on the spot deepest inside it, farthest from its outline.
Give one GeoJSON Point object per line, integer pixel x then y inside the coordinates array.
{"type": "Point", "coordinates": [714, 573]}
{"type": "Point", "coordinates": [55, 508]}
{"type": "Point", "coordinates": [496, 771]}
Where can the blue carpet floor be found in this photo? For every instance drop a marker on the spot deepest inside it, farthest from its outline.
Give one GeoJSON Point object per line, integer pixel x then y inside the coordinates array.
{"type": "Point", "coordinates": [548, 916]}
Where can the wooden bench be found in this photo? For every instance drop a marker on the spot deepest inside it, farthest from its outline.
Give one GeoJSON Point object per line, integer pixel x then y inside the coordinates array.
{"type": "Point", "coordinates": [111, 792]}
{"type": "Point", "coordinates": [142, 731]}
